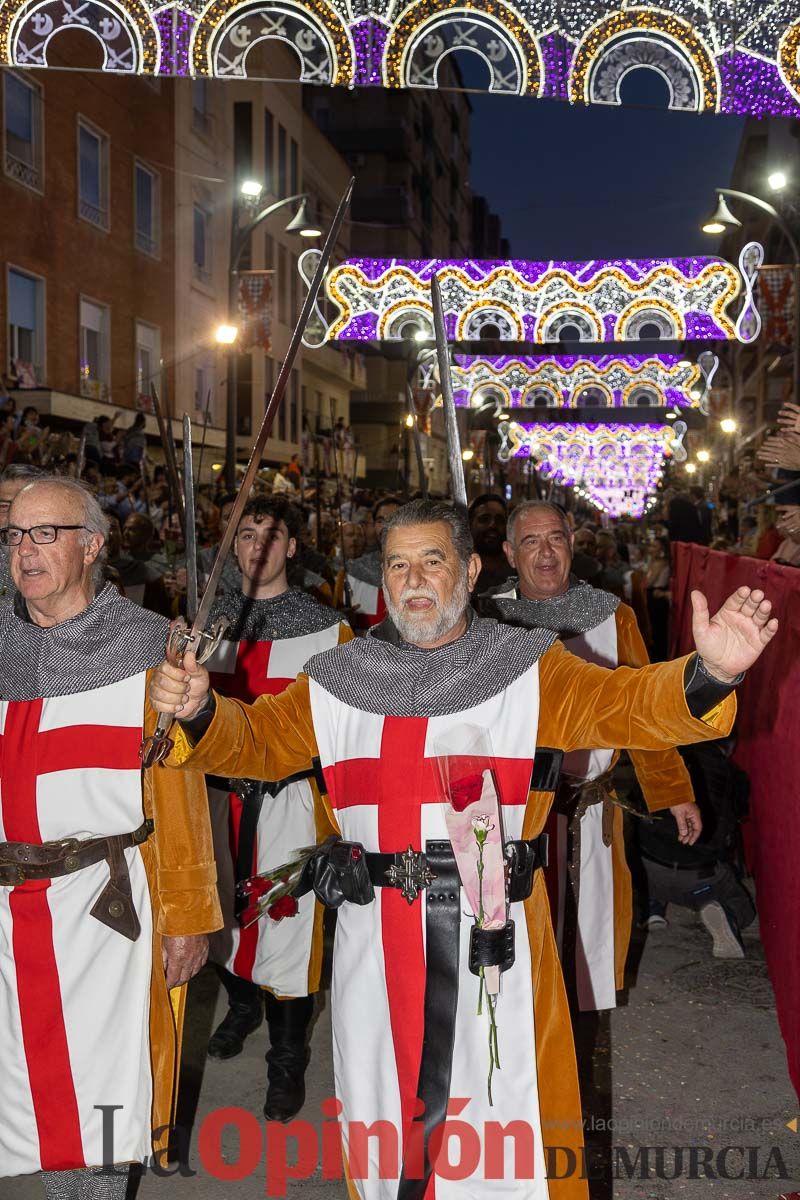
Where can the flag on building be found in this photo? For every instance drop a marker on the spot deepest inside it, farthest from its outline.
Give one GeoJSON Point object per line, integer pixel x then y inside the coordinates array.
{"type": "Point", "coordinates": [255, 309]}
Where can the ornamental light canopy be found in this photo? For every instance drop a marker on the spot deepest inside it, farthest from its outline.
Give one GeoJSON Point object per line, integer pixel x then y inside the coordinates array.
{"type": "Point", "coordinates": [722, 57]}
{"type": "Point", "coordinates": [694, 299]}
{"type": "Point", "coordinates": [617, 467]}
{"type": "Point", "coordinates": [563, 381]}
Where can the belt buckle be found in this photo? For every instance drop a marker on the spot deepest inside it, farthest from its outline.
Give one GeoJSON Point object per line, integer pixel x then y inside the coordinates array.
{"type": "Point", "coordinates": [411, 875]}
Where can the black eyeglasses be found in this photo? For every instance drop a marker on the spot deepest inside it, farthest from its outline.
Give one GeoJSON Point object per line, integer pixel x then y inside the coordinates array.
{"type": "Point", "coordinates": [40, 535]}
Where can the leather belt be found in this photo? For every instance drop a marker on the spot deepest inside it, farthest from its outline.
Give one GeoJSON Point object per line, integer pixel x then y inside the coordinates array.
{"type": "Point", "coordinates": [23, 862]}
{"type": "Point", "coordinates": [435, 871]}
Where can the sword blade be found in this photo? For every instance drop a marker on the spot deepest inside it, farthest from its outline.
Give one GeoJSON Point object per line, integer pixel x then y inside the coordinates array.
{"type": "Point", "coordinates": [170, 459]}
{"type": "Point", "coordinates": [423, 479]}
{"type": "Point", "coordinates": [201, 620]}
{"type": "Point", "coordinates": [192, 598]}
{"type": "Point", "coordinates": [457, 483]}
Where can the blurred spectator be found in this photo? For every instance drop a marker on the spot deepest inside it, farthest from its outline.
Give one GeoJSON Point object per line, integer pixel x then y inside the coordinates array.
{"type": "Point", "coordinates": [657, 578]}
{"type": "Point", "coordinates": [584, 558]}
{"type": "Point", "coordinates": [684, 520]}
{"type": "Point", "coordinates": [487, 520]}
{"type": "Point", "coordinates": [134, 440]}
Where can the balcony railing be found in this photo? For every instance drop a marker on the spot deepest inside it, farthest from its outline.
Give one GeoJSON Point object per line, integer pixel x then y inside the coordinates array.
{"type": "Point", "coordinates": [94, 214]}
{"type": "Point", "coordinates": [23, 172]}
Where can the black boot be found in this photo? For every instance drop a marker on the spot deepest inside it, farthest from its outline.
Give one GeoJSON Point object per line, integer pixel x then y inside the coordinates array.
{"type": "Point", "coordinates": [288, 1055]}
{"type": "Point", "coordinates": [245, 1014]}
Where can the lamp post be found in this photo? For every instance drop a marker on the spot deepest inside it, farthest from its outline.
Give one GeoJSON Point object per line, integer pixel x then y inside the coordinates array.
{"type": "Point", "coordinates": [723, 219]}
{"type": "Point", "coordinates": [303, 223]}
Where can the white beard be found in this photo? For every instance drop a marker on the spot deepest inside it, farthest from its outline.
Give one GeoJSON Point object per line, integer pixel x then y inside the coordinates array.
{"type": "Point", "coordinates": [434, 624]}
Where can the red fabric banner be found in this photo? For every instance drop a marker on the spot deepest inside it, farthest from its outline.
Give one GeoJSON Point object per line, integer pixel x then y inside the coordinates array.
{"type": "Point", "coordinates": [768, 748]}
{"type": "Point", "coordinates": [776, 305]}
{"type": "Point", "coordinates": [255, 309]}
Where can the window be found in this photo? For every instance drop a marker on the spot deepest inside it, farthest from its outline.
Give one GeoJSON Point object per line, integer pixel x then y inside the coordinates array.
{"type": "Point", "coordinates": [147, 203]}
{"type": "Point", "coordinates": [95, 350]}
{"type": "Point", "coordinates": [293, 432]}
{"type": "Point", "coordinates": [22, 105]}
{"type": "Point", "coordinates": [200, 116]}
{"type": "Point", "coordinates": [204, 393]}
{"type": "Point", "coordinates": [148, 358]}
{"type": "Point", "coordinates": [282, 162]}
{"type": "Point", "coordinates": [294, 170]}
{"type": "Point", "coordinates": [202, 244]}
{"type": "Point", "coordinates": [283, 282]}
{"type": "Point", "coordinates": [92, 175]}
{"type": "Point", "coordinates": [26, 321]}
{"type": "Point", "coordinates": [294, 290]}
{"type": "Point", "coordinates": [269, 149]}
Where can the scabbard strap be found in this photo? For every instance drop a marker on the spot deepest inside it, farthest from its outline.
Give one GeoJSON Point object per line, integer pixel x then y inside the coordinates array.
{"type": "Point", "coordinates": [23, 862]}
{"type": "Point", "coordinates": [442, 930]}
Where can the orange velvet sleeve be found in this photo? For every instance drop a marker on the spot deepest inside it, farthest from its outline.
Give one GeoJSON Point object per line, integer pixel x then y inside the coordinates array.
{"type": "Point", "coordinates": [270, 739]}
{"type": "Point", "coordinates": [662, 774]}
{"type": "Point", "coordinates": [180, 854]}
{"type": "Point", "coordinates": [583, 706]}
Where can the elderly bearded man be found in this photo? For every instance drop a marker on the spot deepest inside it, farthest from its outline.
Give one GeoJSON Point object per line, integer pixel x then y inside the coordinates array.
{"type": "Point", "coordinates": [376, 712]}
{"type": "Point", "coordinates": [588, 878]}
{"type": "Point", "coordinates": [107, 880]}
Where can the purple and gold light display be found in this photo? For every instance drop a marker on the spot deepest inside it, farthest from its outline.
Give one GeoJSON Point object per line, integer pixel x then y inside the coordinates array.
{"type": "Point", "coordinates": [574, 381]}
{"type": "Point", "coordinates": [616, 467]}
{"type": "Point", "coordinates": [623, 300]}
{"type": "Point", "coordinates": [713, 57]}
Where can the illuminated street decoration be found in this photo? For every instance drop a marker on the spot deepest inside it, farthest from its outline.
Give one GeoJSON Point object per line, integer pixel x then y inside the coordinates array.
{"type": "Point", "coordinates": [561, 381]}
{"type": "Point", "coordinates": [617, 467]}
{"type": "Point", "coordinates": [537, 302]}
{"type": "Point", "coordinates": [719, 57]}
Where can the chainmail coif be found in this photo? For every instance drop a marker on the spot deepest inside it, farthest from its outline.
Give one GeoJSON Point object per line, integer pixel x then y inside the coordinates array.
{"type": "Point", "coordinates": [382, 674]}
{"type": "Point", "coordinates": [579, 609]}
{"type": "Point", "coordinates": [109, 641]}
{"type": "Point", "coordinates": [290, 615]}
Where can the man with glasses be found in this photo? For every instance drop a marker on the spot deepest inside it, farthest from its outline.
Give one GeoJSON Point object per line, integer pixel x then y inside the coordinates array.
{"type": "Point", "coordinates": [107, 878]}
{"type": "Point", "coordinates": [12, 480]}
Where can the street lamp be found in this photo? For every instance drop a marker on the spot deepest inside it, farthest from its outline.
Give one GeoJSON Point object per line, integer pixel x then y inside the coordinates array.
{"type": "Point", "coordinates": [777, 180]}
{"type": "Point", "coordinates": [703, 456]}
{"type": "Point", "coordinates": [304, 223]}
{"type": "Point", "coordinates": [723, 219]}
{"type": "Point", "coordinates": [728, 425]}
{"type": "Point", "coordinates": [690, 468]}
{"type": "Point", "coordinates": [226, 335]}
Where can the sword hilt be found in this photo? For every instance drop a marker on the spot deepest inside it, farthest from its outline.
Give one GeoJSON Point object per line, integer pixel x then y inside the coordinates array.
{"type": "Point", "coordinates": [155, 748]}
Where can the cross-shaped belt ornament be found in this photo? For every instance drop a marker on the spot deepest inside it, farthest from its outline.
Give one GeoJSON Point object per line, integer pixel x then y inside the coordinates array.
{"type": "Point", "coordinates": [411, 875]}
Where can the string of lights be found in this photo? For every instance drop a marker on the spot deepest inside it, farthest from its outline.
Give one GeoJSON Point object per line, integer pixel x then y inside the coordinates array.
{"type": "Point", "coordinates": [713, 60]}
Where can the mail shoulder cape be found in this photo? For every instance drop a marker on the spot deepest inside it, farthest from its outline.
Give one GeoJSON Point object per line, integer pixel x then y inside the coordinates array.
{"type": "Point", "coordinates": [293, 614]}
{"type": "Point", "coordinates": [578, 610]}
{"type": "Point", "coordinates": [382, 674]}
{"type": "Point", "coordinates": [110, 640]}
{"type": "Point", "coordinates": [368, 568]}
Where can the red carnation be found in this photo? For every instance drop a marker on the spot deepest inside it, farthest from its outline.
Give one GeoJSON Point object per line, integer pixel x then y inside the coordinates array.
{"type": "Point", "coordinates": [466, 791]}
{"type": "Point", "coordinates": [256, 886]}
{"type": "Point", "coordinates": [287, 906]}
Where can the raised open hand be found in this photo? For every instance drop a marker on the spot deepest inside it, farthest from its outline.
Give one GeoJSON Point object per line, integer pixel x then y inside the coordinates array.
{"type": "Point", "coordinates": [732, 640]}
{"type": "Point", "coordinates": [789, 417]}
{"type": "Point", "coordinates": [781, 450]}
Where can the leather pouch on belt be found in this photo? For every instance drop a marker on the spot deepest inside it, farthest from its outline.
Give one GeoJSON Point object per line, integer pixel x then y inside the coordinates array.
{"type": "Point", "coordinates": [338, 873]}
{"type": "Point", "coordinates": [114, 906]}
{"type": "Point", "coordinates": [491, 948]}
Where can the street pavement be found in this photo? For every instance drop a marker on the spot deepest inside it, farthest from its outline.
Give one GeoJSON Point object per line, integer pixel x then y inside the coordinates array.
{"type": "Point", "coordinates": [695, 1044]}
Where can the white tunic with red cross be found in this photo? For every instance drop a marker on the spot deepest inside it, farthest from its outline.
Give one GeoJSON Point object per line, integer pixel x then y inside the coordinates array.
{"type": "Point", "coordinates": [383, 783]}
{"type": "Point", "coordinates": [368, 602]}
{"type": "Point", "coordinates": [274, 954]}
{"type": "Point", "coordinates": [595, 964]}
{"type": "Point", "coordinates": [74, 995]}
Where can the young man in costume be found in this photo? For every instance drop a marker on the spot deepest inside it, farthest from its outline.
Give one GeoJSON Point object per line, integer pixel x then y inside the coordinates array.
{"type": "Point", "coordinates": [375, 711]}
{"type": "Point", "coordinates": [360, 589]}
{"type": "Point", "coordinates": [107, 878]}
{"type": "Point", "coordinates": [273, 630]}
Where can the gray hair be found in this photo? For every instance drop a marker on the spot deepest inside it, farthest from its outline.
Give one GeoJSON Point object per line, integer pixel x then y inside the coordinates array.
{"type": "Point", "coordinates": [94, 519]}
{"type": "Point", "coordinates": [434, 512]}
{"type": "Point", "coordinates": [536, 506]}
{"type": "Point", "coordinates": [21, 471]}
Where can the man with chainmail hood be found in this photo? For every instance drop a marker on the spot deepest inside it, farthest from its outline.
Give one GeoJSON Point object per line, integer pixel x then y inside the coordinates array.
{"type": "Point", "coordinates": [588, 878]}
{"type": "Point", "coordinates": [273, 631]}
{"type": "Point", "coordinates": [107, 879]}
{"type": "Point", "coordinates": [383, 714]}
{"type": "Point", "coordinates": [358, 589]}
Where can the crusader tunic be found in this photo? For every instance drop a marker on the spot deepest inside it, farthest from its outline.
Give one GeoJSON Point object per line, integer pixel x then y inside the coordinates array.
{"type": "Point", "coordinates": [375, 711]}
{"type": "Point", "coordinates": [597, 627]}
{"type": "Point", "coordinates": [266, 646]}
{"type": "Point", "coordinates": [364, 578]}
{"type": "Point", "coordinates": [85, 1017]}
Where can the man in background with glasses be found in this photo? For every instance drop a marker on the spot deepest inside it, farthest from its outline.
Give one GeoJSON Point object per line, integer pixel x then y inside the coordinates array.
{"type": "Point", "coordinates": [107, 878]}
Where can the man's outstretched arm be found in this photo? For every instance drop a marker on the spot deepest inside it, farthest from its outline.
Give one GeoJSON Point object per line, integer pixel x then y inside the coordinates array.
{"type": "Point", "coordinates": [270, 739]}
{"type": "Point", "coordinates": [666, 704]}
